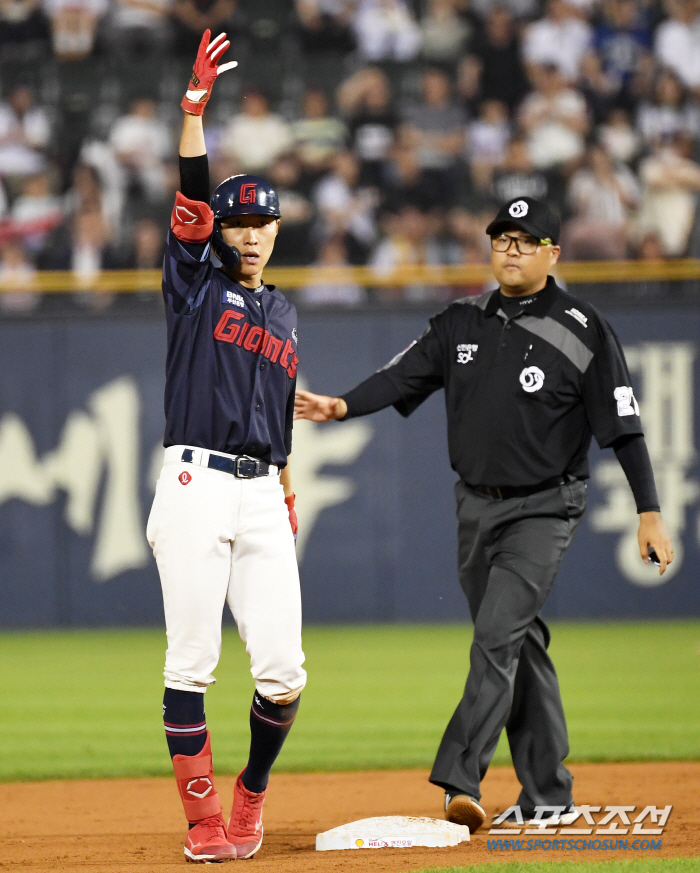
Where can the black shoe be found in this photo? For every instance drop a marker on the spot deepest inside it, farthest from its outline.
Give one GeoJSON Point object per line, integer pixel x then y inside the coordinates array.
{"type": "Point", "coordinates": [464, 810]}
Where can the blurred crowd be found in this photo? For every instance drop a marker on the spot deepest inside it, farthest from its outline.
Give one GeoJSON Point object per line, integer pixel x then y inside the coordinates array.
{"type": "Point", "coordinates": [392, 129]}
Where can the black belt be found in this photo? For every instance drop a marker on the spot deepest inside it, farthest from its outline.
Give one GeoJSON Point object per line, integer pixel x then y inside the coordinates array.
{"type": "Point", "coordinates": [507, 491]}
{"type": "Point", "coordinates": [240, 466]}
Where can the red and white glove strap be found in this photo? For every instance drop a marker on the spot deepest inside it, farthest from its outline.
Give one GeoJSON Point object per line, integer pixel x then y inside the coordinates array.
{"type": "Point", "coordinates": [192, 221]}
{"type": "Point", "coordinates": [205, 71]}
{"type": "Point", "coordinates": [292, 515]}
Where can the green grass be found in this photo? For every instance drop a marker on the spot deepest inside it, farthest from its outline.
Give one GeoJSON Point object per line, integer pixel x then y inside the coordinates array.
{"type": "Point", "coordinates": [636, 865]}
{"type": "Point", "coordinates": [87, 703]}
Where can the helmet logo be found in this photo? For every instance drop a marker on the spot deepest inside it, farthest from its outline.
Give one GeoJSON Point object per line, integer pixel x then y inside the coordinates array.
{"type": "Point", "coordinates": [518, 209]}
{"type": "Point", "coordinates": [247, 194]}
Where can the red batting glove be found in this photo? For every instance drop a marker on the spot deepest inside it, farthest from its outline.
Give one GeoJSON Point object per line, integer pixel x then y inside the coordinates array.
{"type": "Point", "coordinates": [292, 516]}
{"type": "Point", "coordinates": [205, 71]}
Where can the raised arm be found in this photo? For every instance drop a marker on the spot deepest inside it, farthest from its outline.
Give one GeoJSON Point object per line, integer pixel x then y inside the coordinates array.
{"type": "Point", "coordinates": [192, 143]}
{"type": "Point", "coordinates": [192, 220]}
{"type": "Point", "coordinates": [204, 74]}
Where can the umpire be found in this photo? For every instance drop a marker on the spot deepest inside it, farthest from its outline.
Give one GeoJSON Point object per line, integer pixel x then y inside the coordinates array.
{"type": "Point", "coordinates": [530, 373]}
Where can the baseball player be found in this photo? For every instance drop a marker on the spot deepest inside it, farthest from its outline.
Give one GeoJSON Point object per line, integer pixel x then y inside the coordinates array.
{"type": "Point", "coordinates": [223, 525]}
{"type": "Point", "coordinates": [530, 374]}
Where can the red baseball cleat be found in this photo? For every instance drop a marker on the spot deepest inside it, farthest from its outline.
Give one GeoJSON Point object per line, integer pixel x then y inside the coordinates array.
{"type": "Point", "coordinates": [206, 842]}
{"type": "Point", "coordinates": [245, 827]}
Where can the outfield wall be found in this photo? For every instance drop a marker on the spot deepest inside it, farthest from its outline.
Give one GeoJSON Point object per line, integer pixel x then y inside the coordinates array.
{"type": "Point", "coordinates": [80, 428]}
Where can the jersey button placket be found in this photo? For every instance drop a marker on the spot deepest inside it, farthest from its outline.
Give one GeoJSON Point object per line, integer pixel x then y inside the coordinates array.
{"type": "Point", "coordinates": [507, 326]}
{"type": "Point", "coordinates": [261, 375]}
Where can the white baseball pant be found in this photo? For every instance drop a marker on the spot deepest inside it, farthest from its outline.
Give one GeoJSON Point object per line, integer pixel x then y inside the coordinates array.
{"type": "Point", "coordinates": [217, 538]}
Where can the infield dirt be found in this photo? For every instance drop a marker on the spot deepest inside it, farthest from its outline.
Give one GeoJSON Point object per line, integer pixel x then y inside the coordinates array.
{"type": "Point", "coordinates": [137, 825]}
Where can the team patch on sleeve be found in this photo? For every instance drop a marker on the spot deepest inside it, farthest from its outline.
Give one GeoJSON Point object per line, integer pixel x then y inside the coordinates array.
{"type": "Point", "coordinates": [626, 401]}
{"type": "Point", "coordinates": [192, 221]}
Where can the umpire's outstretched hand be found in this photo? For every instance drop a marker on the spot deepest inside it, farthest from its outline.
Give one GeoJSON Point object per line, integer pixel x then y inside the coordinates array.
{"type": "Point", "coordinates": [653, 534]}
{"type": "Point", "coordinates": [318, 407]}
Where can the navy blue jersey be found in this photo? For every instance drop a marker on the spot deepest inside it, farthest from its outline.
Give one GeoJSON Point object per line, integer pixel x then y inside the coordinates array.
{"type": "Point", "coordinates": [232, 361]}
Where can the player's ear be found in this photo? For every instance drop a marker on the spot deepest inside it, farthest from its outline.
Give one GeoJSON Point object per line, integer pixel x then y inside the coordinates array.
{"type": "Point", "coordinates": [278, 222]}
{"type": "Point", "coordinates": [554, 252]}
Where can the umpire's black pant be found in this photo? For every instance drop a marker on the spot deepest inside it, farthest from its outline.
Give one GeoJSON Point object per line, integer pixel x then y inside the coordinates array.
{"type": "Point", "coordinates": [509, 553]}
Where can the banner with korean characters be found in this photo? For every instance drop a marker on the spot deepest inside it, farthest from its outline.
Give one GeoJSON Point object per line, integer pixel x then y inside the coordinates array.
{"type": "Point", "coordinates": [81, 423]}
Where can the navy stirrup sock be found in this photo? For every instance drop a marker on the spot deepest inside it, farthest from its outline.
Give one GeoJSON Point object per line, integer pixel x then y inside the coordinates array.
{"type": "Point", "coordinates": [186, 731]}
{"type": "Point", "coordinates": [185, 725]}
{"type": "Point", "coordinates": [269, 725]}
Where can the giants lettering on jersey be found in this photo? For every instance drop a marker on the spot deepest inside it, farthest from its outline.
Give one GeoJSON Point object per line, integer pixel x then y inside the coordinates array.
{"type": "Point", "coordinates": [256, 340]}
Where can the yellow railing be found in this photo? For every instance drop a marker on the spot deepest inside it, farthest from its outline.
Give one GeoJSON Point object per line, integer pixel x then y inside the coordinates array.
{"type": "Point", "coordinates": [290, 278]}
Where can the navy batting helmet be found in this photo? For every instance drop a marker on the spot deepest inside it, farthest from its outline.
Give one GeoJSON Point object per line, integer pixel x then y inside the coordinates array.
{"type": "Point", "coordinates": [240, 195]}
{"type": "Point", "coordinates": [245, 195]}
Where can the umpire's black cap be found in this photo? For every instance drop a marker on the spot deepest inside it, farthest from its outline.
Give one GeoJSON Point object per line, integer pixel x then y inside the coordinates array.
{"type": "Point", "coordinates": [532, 216]}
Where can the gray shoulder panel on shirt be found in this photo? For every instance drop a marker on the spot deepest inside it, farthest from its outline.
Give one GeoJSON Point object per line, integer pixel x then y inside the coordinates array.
{"type": "Point", "coordinates": [480, 300]}
{"type": "Point", "coordinates": [560, 337]}
{"type": "Point", "coordinates": [395, 360]}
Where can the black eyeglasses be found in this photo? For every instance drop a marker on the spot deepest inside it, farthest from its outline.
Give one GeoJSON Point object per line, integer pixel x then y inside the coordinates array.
{"type": "Point", "coordinates": [525, 245]}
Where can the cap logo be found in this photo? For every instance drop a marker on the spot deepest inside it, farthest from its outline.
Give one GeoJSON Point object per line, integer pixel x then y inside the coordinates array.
{"type": "Point", "coordinates": [518, 209]}
{"type": "Point", "coordinates": [248, 192]}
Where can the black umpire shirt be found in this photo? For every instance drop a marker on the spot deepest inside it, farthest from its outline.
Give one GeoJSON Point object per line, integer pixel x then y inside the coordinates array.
{"type": "Point", "coordinates": [524, 391]}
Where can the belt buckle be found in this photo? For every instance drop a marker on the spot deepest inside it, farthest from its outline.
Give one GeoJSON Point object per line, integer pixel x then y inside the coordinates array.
{"type": "Point", "coordinates": [246, 468]}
